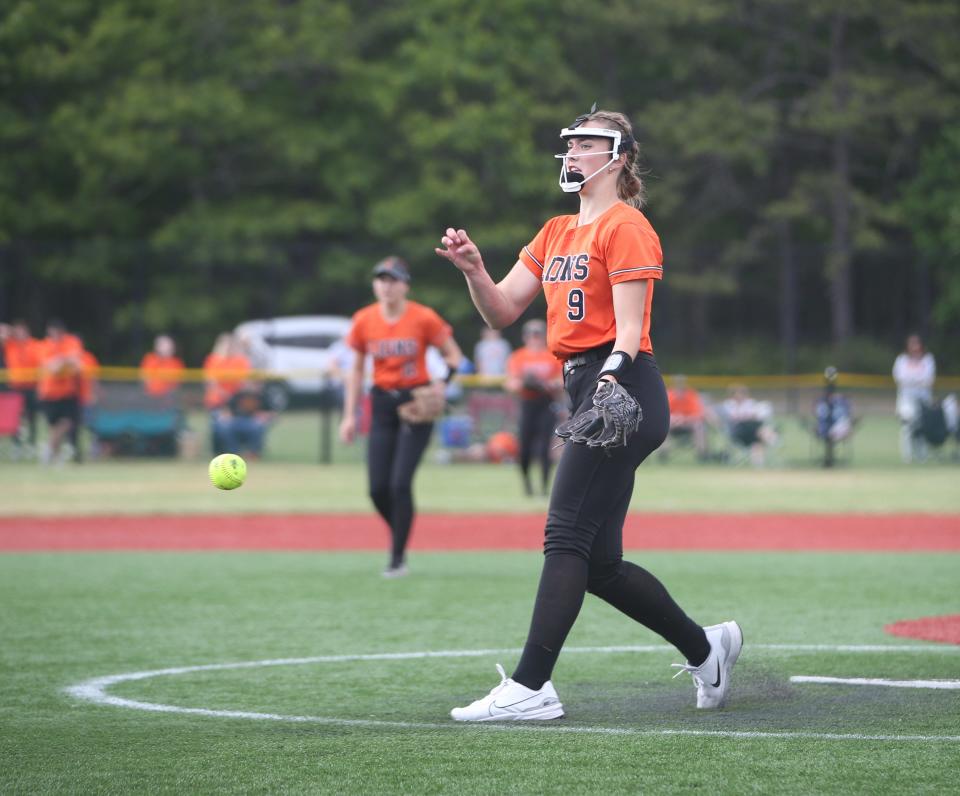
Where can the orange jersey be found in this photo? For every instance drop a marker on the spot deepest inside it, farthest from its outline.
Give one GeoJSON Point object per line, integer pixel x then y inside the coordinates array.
{"type": "Point", "coordinates": [22, 358]}
{"type": "Point", "coordinates": [578, 267]}
{"type": "Point", "coordinates": [399, 349]}
{"type": "Point", "coordinates": [542, 365]}
{"type": "Point", "coordinates": [59, 368]}
{"type": "Point", "coordinates": [224, 376]}
{"type": "Point", "coordinates": [160, 375]}
{"type": "Point", "coordinates": [687, 404]}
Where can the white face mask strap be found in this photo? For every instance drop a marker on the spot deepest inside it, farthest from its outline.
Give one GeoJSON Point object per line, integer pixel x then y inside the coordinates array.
{"type": "Point", "coordinates": [573, 186]}
{"type": "Point", "coordinates": [568, 186]}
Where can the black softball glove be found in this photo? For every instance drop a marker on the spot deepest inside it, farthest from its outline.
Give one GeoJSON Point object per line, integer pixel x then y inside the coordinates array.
{"type": "Point", "coordinates": [614, 417]}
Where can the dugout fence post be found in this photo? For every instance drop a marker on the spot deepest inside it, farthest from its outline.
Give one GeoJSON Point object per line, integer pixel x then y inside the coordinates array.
{"type": "Point", "coordinates": [328, 407]}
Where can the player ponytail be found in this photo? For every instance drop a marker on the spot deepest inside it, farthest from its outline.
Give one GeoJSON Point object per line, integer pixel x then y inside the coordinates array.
{"type": "Point", "coordinates": [630, 187]}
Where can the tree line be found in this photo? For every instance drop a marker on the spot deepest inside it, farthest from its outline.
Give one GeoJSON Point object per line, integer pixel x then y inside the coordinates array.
{"type": "Point", "coordinates": [183, 165]}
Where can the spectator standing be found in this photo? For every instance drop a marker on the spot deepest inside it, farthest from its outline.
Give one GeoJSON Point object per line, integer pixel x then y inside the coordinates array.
{"type": "Point", "coordinates": [914, 371]}
{"type": "Point", "coordinates": [491, 353]}
{"type": "Point", "coordinates": [22, 355]}
{"type": "Point", "coordinates": [535, 375]}
{"type": "Point", "coordinates": [161, 370]}
{"type": "Point", "coordinates": [688, 416]}
{"type": "Point", "coordinates": [58, 388]}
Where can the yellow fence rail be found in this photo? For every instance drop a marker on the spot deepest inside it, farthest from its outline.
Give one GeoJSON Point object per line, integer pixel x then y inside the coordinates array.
{"type": "Point", "coordinates": [714, 382]}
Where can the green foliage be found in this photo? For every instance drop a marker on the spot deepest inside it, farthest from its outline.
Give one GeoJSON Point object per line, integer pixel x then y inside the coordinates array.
{"type": "Point", "coordinates": [933, 204]}
{"type": "Point", "coordinates": [185, 165]}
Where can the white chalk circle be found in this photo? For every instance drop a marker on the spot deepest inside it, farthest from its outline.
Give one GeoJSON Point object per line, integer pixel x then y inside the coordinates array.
{"type": "Point", "coordinates": [94, 690]}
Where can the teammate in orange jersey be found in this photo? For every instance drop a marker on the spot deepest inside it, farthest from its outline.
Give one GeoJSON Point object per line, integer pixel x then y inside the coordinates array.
{"type": "Point", "coordinates": [161, 369]}
{"type": "Point", "coordinates": [396, 333]}
{"type": "Point", "coordinates": [58, 387]}
{"type": "Point", "coordinates": [22, 353]}
{"type": "Point", "coordinates": [536, 376]}
{"type": "Point", "coordinates": [597, 269]}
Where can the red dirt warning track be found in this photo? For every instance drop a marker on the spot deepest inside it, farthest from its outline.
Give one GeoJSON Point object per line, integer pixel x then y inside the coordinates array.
{"type": "Point", "coordinates": [852, 532]}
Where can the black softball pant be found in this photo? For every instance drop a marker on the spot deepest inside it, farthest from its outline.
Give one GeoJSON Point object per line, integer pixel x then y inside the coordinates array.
{"type": "Point", "coordinates": [583, 544]}
{"type": "Point", "coordinates": [393, 453]}
{"type": "Point", "coordinates": [537, 422]}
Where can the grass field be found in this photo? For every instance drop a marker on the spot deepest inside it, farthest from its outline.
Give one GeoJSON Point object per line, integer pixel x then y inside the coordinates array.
{"type": "Point", "coordinates": [348, 678]}
{"type": "Point", "coordinates": [381, 725]}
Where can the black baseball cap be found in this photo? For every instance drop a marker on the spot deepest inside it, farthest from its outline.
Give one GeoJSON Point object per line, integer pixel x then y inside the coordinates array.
{"type": "Point", "coordinates": [392, 266]}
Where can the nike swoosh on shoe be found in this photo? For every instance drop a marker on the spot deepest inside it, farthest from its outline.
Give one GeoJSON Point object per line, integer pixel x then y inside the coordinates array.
{"type": "Point", "coordinates": [514, 704]}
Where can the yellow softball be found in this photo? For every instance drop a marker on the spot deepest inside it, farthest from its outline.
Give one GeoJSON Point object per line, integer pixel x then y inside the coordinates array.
{"type": "Point", "coordinates": [227, 471]}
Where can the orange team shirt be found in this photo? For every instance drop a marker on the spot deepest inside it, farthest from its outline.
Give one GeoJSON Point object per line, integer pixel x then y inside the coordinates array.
{"type": "Point", "coordinates": [399, 349]}
{"type": "Point", "coordinates": [23, 359]}
{"type": "Point", "coordinates": [578, 267]}
{"type": "Point", "coordinates": [542, 364]}
{"type": "Point", "coordinates": [686, 405]}
{"type": "Point", "coordinates": [89, 369]}
{"type": "Point", "coordinates": [224, 376]}
{"type": "Point", "coordinates": [160, 375]}
{"type": "Point", "coordinates": [64, 381]}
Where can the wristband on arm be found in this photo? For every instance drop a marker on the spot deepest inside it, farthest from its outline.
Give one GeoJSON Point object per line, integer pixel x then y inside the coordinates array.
{"type": "Point", "coordinates": [616, 365]}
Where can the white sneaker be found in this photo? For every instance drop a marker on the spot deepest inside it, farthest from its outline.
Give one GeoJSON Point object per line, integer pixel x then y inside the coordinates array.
{"type": "Point", "coordinates": [396, 572]}
{"type": "Point", "coordinates": [511, 701]}
{"type": "Point", "coordinates": [712, 677]}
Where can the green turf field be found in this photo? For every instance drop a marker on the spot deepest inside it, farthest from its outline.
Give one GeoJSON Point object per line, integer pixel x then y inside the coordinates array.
{"type": "Point", "coordinates": [337, 715]}
{"type": "Point", "coordinates": [290, 479]}
{"type": "Point", "coordinates": [139, 487]}
{"type": "Point", "coordinates": [379, 725]}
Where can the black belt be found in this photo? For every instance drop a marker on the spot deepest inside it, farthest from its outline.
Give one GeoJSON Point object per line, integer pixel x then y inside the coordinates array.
{"type": "Point", "coordinates": [588, 356]}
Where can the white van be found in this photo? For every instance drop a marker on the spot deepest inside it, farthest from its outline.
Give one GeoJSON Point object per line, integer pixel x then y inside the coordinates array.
{"type": "Point", "coordinates": [298, 350]}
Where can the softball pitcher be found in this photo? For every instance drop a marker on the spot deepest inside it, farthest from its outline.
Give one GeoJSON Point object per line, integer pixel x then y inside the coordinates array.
{"type": "Point", "coordinates": [597, 269]}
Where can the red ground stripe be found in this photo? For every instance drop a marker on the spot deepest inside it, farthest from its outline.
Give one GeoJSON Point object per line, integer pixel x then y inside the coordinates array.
{"type": "Point", "coordinates": [478, 532]}
{"type": "Point", "coordinates": [945, 629]}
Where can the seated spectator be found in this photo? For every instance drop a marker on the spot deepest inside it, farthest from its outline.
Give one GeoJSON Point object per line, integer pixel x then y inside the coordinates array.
{"type": "Point", "coordinates": [225, 369]}
{"type": "Point", "coordinates": [161, 370]}
{"type": "Point", "coordinates": [833, 417]}
{"type": "Point", "coordinates": [748, 423]}
{"type": "Point", "coordinates": [241, 424]}
{"type": "Point", "coordinates": [833, 412]}
{"type": "Point", "coordinates": [688, 417]}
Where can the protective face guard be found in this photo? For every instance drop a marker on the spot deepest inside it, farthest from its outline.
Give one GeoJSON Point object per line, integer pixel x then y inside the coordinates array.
{"type": "Point", "coordinates": [571, 182]}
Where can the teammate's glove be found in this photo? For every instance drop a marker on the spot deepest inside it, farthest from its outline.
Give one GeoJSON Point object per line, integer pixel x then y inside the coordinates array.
{"type": "Point", "coordinates": [426, 405]}
{"type": "Point", "coordinates": [533, 383]}
{"type": "Point", "coordinates": [614, 417]}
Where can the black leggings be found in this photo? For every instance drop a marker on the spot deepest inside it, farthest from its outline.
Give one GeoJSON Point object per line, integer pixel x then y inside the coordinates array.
{"type": "Point", "coordinates": [537, 422]}
{"type": "Point", "coordinates": [393, 453]}
{"type": "Point", "coordinates": [584, 533]}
